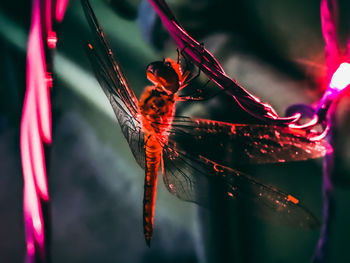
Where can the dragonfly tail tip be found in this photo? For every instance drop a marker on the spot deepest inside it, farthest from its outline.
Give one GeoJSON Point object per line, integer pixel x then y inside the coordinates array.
{"type": "Point", "coordinates": [148, 241]}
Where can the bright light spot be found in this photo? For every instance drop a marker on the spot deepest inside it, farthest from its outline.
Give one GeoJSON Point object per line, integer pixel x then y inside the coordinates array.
{"type": "Point", "coordinates": [292, 199]}
{"type": "Point", "coordinates": [51, 39]}
{"type": "Point", "coordinates": [37, 225]}
{"type": "Point", "coordinates": [341, 78]}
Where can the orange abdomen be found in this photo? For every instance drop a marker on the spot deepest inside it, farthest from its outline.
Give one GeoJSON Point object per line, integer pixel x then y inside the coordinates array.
{"type": "Point", "coordinates": [153, 152]}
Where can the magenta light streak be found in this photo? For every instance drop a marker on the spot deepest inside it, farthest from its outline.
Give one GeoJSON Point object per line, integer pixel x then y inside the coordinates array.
{"type": "Point", "coordinates": [329, 18]}
{"type": "Point", "coordinates": [36, 118]}
{"type": "Point", "coordinates": [36, 125]}
{"type": "Point", "coordinates": [60, 9]}
{"type": "Point", "coordinates": [48, 16]}
{"type": "Point", "coordinates": [338, 77]}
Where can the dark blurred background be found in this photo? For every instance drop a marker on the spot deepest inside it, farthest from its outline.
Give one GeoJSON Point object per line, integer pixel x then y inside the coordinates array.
{"type": "Point", "coordinates": [273, 48]}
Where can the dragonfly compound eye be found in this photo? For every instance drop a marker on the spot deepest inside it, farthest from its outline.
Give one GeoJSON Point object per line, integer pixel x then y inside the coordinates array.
{"type": "Point", "coordinates": [163, 74]}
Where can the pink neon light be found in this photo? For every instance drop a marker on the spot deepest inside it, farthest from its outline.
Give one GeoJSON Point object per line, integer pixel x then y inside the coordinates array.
{"type": "Point", "coordinates": [341, 78]}
{"type": "Point", "coordinates": [37, 102]}
{"type": "Point", "coordinates": [36, 126]}
{"type": "Point", "coordinates": [338, 71]}
{"type": "Point", "coordinates": [60, 9]}
{"type": "Point", "coordinates": [329, 18]}
{"type": "Point", "coordinates": [48, 16]}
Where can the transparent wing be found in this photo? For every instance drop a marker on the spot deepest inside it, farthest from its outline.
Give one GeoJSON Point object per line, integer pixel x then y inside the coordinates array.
{"type": "Point", "coordinates": [235, 145]}
{"type": "Point", "coordinates": [115, 86]}
{"type": "Point", "coordinates": [120, 88]}
{"type": "Point", "coordinates": [190, 179]}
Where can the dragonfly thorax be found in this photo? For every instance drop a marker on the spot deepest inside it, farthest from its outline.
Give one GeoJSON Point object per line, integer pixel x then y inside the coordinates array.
{"type": "Point", "coordinates": [157, 110]}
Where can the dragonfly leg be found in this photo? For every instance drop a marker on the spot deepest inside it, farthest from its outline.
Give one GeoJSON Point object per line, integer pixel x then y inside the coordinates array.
{"type": "Point", "coordinates": [188, 80]}
{"type": "Point", "coordinates": [197, 95]}
{"type": "Point", "coordinates": [186, 70]}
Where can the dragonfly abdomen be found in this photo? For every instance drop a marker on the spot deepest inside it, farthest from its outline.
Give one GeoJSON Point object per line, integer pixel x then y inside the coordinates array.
{"type": "Point", "coordinates": [153, 151]}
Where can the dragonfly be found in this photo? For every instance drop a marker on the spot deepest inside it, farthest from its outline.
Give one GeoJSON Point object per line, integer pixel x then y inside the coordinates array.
{"type": "Point", "coordinates": [182, 147]}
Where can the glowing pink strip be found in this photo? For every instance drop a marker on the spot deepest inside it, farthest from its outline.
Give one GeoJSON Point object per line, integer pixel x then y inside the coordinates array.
{"type": "Point", "coordinates": [48, 16]}
{"type": "Point", "coordinates": [36, 127]}
{"type": "Point", "coordinates": [36, 118]}
{"type": "Point", "coordinates": [61, 6]}
{"type": "Point", "coordinates": [36, 124]}
{"type": "Point", "coordinates": [325, 111]}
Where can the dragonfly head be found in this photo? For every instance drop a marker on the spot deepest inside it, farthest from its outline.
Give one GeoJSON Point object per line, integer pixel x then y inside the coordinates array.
{"type": "Point", "coordinates": [163, 73]}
